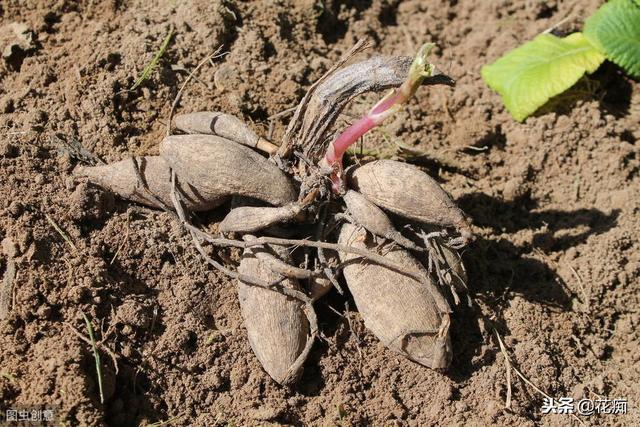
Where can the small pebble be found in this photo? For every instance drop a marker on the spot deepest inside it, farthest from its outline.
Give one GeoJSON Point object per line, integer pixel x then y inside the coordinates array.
{"type": "Point", "coordinates": [15, 209]}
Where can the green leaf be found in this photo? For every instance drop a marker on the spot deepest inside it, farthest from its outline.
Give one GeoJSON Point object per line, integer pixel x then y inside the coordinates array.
{"type": "Point", "coordinates": [531, 74]}
{"type": "Point", "coordinates": [615, 30]}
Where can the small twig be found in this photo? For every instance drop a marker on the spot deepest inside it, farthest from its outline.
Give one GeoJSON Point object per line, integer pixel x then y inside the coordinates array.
{"type": "Point", "coordinates": [184, 70]}
{"type": "Point", "coordinates": [507, 365]}
{"type": "Point", "coordinates": [353, 332]}
{"type": "Point", "coordinates": [61, 232]}
{"type": "Point", "coordinates": [215, 54]}
{"type": "Point", "coordinates": [561, 281]}
{"type": "Point", "coordinates": [328, 272]}
{"type": "Point", "coordinates": [348, 319]}
{"type": "Point", "coordinates": [272, 120]}
{"type": "Point", "coordinates": [282, 113]}
{"type": "Point", "coordinates": [96, 356]}
{"type": "Point", "coordinates": [580, 284]}
{"type": "Point", "coordinates": [474, 148]}
{"type": "Point", "coordinates": [22, 132]}
{"type": "Point", "coordinates": [438, 262]}
{"type": "Point", "coordinates": [559, 23]}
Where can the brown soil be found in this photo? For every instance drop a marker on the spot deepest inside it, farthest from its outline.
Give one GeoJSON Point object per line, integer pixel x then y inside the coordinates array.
{"type": "Point", "coordinates": [555, 269]}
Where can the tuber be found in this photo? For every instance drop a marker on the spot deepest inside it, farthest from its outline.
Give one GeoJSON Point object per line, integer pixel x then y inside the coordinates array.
{"type": "Point", "coordinates": [221, 167]}
{"type": "Point", "coordinates": [225, 126]}
{"type": "Point", "coordinates": [407, 191]}
{"type": "Point", "coordinates": [122, 179]}
{"type": "Point", "coordinates": [247, 219]}
{"type": "Point", "coordinates": [276, 324]}
{"type": "Point", "coordinates": [371, 217]}
{"type": "Point", "coordinates": [409, 317]}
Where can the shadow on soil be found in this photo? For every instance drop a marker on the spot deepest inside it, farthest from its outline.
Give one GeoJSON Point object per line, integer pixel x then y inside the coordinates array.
{"type": "Point", "coordinates": [330, 25]}
{"type": "Point", "coordinates": [498, 268]}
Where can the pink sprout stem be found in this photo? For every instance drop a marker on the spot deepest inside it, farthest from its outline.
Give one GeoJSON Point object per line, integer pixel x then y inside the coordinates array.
{"type": "Point", "coordinates": [386, 107]}
{"type": "Point", "coordinates": [336, 150]}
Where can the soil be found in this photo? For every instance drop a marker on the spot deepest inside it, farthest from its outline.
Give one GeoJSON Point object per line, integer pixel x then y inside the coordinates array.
{"type": "Point", "coordinates": [555, 268]}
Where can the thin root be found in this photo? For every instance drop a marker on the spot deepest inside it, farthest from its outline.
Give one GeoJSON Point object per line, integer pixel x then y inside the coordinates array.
{"type": "Point", "coordinates": [509, 362]}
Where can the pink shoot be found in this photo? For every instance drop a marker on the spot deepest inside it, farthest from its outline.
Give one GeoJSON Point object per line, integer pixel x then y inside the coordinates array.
{"type": "Point", "coordinates": [386, 107]}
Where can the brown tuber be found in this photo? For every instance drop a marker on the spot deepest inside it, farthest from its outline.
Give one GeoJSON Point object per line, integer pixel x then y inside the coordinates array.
{"type": "Point", "coordinates": [409, 317]}
{"type": "Point", "coordinates": [219, 167]}
{"type": "Point", "coordinates": [122, 179]}
{"type": "Point", "coordinates": [276, 324]}
{"type": "Point", "coordinates": [247, 219]}
{"type": "Point", "coordinates": [225, 126]}
{"type": "Point", "coordinates": [407, 191]}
